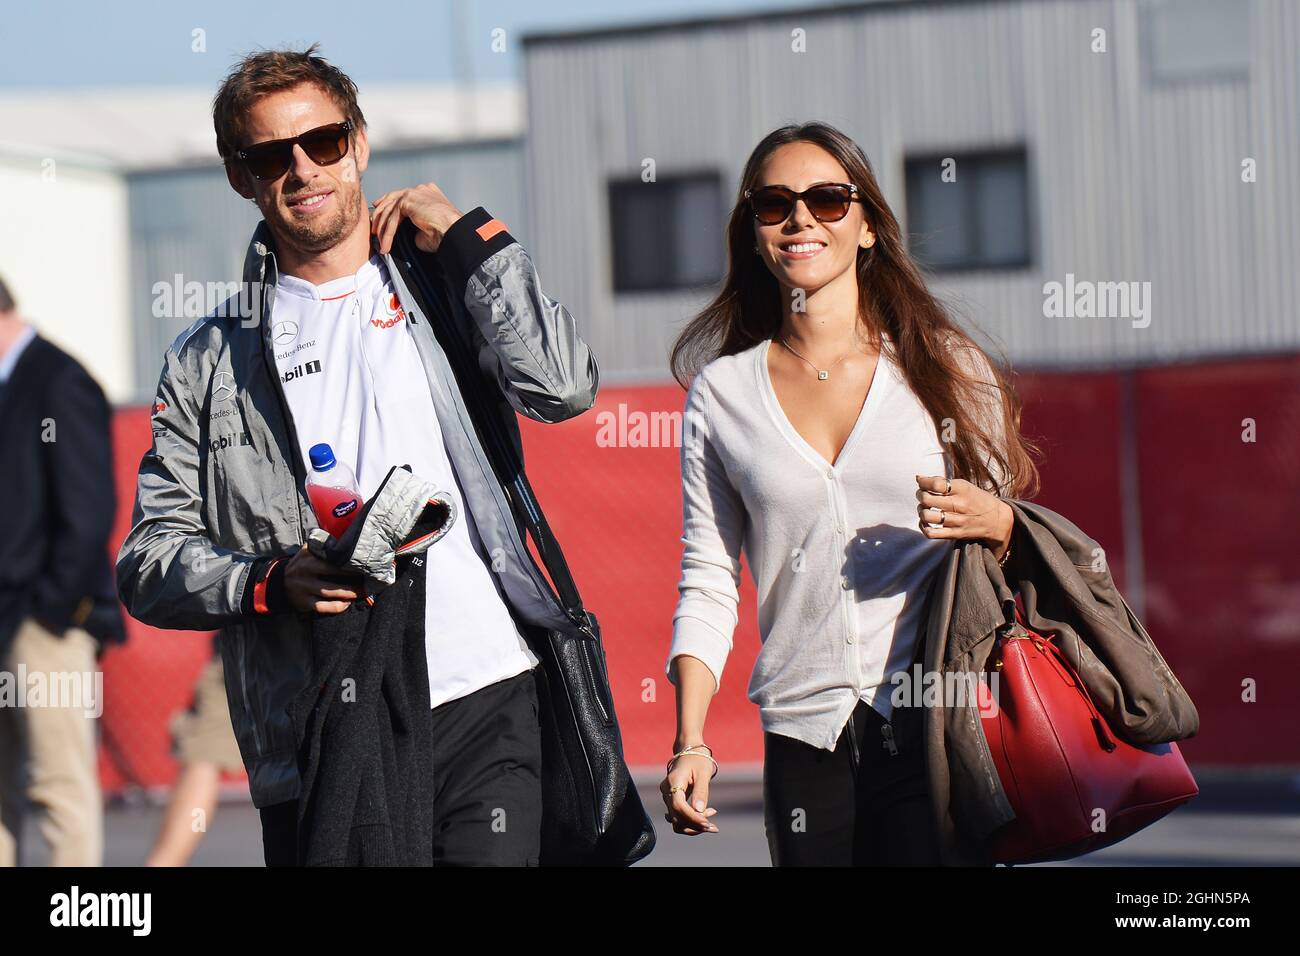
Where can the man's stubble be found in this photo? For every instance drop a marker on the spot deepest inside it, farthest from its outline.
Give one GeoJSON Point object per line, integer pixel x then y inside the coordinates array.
{"type": "Point", "coordinates": [312, 236]}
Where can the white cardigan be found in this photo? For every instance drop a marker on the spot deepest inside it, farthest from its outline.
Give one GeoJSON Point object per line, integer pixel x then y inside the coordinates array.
{"type": "Point", "coordinates": [840, 565]}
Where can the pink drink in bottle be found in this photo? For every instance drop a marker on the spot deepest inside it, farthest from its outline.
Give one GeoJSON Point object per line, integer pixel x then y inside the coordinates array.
{"type": "Point", "coordinates": [332, 491]}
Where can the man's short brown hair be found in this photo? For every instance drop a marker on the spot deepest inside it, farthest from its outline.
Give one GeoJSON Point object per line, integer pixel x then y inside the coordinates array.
{"type": "Point", "coordinates": [270, 71]}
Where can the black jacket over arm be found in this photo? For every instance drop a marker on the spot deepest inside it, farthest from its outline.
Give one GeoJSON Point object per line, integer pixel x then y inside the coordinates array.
{"type": "Point", "coordinates": [366, 732]}
{"type": "Point", "coordinates": [56, 483]}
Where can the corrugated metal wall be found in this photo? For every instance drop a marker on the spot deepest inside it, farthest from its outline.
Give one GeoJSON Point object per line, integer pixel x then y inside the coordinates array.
{"type": "Point", "coordinates": [190, 222]}
{"type": "Point", "coordinates": [1131, 180]}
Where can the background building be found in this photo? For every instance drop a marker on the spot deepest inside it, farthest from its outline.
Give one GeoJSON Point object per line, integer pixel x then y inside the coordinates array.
{"type": "Point", "coordinates": [1122, 165]}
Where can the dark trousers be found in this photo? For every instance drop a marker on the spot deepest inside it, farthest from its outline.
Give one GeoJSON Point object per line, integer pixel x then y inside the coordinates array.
{"type": "Point", "coordinates": [487, 800]}
{"type": "Point", "coordinates": [856, 806]}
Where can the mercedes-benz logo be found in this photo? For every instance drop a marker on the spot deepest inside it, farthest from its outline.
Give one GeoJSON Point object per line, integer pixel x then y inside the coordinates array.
{"type": "Point", "coordinates": [285, 331]}
{"type": "Point", "coordinates": [223, 387]}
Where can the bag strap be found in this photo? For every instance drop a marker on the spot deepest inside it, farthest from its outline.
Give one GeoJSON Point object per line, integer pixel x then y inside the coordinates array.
{"type": "Point", "coordinates": [506, 464]}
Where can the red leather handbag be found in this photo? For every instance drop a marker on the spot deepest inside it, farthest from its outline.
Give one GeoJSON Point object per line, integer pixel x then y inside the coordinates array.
{"type": "Point", "coordinates": [1074, 785]}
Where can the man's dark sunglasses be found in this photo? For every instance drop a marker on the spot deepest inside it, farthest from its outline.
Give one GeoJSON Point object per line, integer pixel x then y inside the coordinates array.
{"type": "Point", "coordinates": [828, 202]}
{"type": "Point", "coordinates": [325, 145]}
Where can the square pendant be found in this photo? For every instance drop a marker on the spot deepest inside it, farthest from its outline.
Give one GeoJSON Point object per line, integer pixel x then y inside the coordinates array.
{"type": "Point", "coordinates": [823, 375]}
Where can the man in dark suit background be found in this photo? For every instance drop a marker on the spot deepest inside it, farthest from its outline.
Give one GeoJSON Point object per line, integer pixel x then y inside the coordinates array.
{"type": "Point", "coordinates": [58, 604]}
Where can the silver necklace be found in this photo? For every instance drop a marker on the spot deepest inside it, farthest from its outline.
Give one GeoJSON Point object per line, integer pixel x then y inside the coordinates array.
{"type": "Point", "coordinates": [822, 373]}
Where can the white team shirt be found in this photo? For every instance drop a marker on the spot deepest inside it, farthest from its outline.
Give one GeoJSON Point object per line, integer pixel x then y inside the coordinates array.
{"type": "Point", "coordinates": [353, 378]}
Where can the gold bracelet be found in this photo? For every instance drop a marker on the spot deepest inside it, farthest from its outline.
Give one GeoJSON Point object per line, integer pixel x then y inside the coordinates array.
{"type": "Point", "coordinates": [693, 752]}
{"type": "Point", "coordinates": [1002, 561]}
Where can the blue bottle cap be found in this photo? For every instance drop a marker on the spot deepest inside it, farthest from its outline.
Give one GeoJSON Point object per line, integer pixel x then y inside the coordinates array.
{"type": "Point", "coordinates": [322, 457]}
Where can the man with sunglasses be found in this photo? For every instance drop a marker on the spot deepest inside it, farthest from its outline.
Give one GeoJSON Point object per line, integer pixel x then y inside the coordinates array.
{"type": "Point", "coordinates": [340, 352]}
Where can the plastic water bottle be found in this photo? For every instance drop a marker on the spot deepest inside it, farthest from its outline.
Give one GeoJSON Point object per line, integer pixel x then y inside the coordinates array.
{"type": "Point", "coordinates": [332, 490]}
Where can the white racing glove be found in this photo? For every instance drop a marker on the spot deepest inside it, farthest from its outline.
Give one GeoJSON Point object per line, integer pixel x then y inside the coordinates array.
{"type": "Point", "coordinates": [405, 516]}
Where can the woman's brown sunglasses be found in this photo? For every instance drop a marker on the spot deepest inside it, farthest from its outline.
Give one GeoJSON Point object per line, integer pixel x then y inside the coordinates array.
{"type": "Point", "coordinates": [828, 202]}
{"type": "Point", "coordinates": [325, 145]}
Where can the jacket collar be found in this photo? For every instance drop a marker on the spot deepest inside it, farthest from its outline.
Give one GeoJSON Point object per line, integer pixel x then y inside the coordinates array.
{"type": "Point", "coordinates": [259, 260]}
{"type": "Point", "coordinates": [261, 269]}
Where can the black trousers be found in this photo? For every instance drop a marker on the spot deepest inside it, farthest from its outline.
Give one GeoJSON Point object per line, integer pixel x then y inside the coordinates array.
{"type": "Point", "coordinates": [863, 805]}
{"type": "Point", "coordinates": [488, 797]}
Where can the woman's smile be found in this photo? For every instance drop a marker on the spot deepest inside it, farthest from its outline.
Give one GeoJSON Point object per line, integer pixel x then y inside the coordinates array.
{"type": "Point", "coordinates": [802, 249]}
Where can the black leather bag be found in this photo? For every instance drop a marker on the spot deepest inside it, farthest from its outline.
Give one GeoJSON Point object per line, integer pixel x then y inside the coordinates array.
{"type": "Point", "coordinates": [592, 814]}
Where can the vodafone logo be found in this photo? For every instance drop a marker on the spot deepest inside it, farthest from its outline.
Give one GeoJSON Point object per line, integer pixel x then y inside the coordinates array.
{"type": "Point", "coordinates": [394, 313]}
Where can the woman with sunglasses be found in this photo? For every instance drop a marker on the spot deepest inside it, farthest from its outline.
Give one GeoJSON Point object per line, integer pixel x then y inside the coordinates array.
{"type": "Point", "coordinates": [842, 432]}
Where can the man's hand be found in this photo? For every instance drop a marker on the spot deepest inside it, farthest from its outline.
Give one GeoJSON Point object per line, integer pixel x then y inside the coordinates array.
{"type": "Point", "coordinates": [426, 206]}
{"type": "Point", "coordinates": [307, 581]}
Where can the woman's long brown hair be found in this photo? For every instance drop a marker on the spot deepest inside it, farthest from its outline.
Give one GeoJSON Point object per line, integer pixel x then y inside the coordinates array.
{"type": "Point", "coordinates": [892, 297]}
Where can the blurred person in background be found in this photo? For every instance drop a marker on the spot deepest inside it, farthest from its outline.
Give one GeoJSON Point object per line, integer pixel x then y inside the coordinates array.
{"type": "Point", "coordinates": [813, 442]}
{"type": "Point", "coordinates": [203, 740]}
{"type": "Point", "coordinates": [58, 607]}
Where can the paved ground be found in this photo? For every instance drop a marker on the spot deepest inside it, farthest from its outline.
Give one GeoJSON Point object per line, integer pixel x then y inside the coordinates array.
{"type": "Point", "coordinates": [1236, 821]}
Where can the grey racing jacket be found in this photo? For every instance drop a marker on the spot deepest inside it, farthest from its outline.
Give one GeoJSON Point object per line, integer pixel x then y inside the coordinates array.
{"type": "Point", "coordinates": [220, 500]}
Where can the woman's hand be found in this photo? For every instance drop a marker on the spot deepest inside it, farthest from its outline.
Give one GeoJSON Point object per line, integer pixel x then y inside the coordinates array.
{"type": "Point", "coordinates": [686, 795]}
{"type": "Point", "coordinates": [962, 511]}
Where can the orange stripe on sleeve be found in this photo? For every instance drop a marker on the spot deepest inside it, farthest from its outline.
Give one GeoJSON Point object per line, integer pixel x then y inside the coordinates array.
{"type": "Point", "coordinates": [259, 589]}
{"type": "Point", "coordinates": [490, 229]}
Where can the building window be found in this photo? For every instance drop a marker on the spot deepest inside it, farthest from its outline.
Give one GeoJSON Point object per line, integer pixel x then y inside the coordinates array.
{"type": "Point", "coordinates": [969, 211]}
{"type": "Point", "coordinates": [667, 234]}
{"type": "Point", "coordinates": [1196, 40]}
